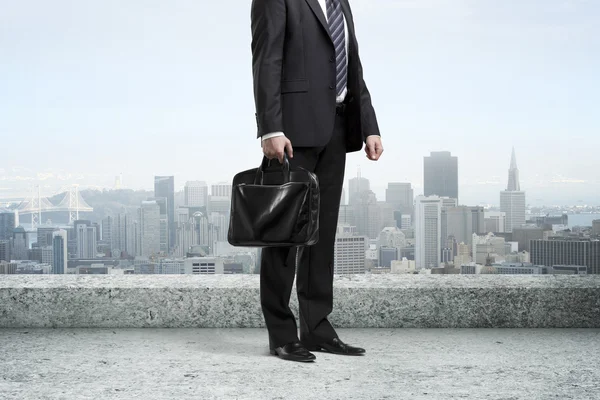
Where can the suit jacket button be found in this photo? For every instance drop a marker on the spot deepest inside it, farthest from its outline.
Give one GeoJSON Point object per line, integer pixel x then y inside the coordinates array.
{"type": "Point", "coordinates": [331, 87]}
{"type": "Point", "coordinates": [331, 59]}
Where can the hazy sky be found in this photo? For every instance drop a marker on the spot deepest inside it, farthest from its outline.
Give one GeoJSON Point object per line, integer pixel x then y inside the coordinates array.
{"type": "Point", "coordinates": [89, 89]}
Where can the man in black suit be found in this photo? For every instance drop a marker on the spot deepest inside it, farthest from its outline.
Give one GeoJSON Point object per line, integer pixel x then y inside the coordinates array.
{"type": "Point", "coordinates": [309, 91]}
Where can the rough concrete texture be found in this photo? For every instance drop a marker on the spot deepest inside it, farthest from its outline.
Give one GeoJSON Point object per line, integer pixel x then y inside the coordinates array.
{"type": "Point", "coordinates": [360, 301]}
{"type": "Point", "coordinates": [74, 364]}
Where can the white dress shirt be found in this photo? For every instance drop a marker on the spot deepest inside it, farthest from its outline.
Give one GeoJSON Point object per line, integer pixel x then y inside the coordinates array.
{"type": "Point", "coordinates": [341, 97]}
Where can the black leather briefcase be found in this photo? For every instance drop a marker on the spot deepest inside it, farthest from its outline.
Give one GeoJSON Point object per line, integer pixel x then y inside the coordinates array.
{"type": "Point", "coordinates": [274, 207]}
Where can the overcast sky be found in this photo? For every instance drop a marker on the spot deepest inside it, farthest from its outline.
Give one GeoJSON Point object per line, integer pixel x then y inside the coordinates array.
{"type": "Point", "coordinates": [90, 89]}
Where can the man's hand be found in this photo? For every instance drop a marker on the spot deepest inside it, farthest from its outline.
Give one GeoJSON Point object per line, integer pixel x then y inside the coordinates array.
{"type": "Point", "coordinates": [373, 147]}
{"type": "Point", "coordinates": [275, 146]}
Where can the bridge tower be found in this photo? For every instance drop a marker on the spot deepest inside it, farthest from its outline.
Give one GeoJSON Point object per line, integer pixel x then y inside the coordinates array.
{"type": "Point", "coordinates": [35, 204]}
{"type": "Point", "coordinates": [73, 194]}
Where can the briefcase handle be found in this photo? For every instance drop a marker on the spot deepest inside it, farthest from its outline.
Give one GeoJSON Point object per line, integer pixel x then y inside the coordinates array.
{"type": "Point", "coordinates": [285, 168]}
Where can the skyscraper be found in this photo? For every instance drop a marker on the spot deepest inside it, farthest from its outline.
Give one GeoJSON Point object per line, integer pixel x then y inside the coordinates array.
{"type": "Point", "coordinates": [441, 175]}
{"type": "Point", "coordinates": [512, 200]}
{"type": "Point", "coordinates": [59, 252]}
{"type": "Point", "coordinates": [356, 187]}
{"type": "Point", "coordinates": [400, 196]}
{"type": "Point", "coordinates": [428, 231]}
{"type": "Point", "coordinates": [195, 194]}
{"type": "Point", "coordinates": [164, 186]}
{"type": "Point", "coordinates": [149, 233]}
{"type": "Point", "coordinates": [8, 222]}
{"type": "Point", "coordinates": [87, 242]}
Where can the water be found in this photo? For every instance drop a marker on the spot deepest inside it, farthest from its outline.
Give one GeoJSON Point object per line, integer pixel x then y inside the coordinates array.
{"type": "Point", "coordinates": [582, 219]}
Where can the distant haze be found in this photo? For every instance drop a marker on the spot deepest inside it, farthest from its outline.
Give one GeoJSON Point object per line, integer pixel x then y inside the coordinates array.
{"type": "Point", "coordinates": [92, 89]}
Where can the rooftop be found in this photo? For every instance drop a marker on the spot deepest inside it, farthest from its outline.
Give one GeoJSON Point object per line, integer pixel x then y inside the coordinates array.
{"type": "Point", "coordinates": [235, 363]}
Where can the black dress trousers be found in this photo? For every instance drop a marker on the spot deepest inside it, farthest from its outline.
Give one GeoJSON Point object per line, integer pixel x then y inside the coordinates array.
{"type": "Point", "coordinates": [314, 281]}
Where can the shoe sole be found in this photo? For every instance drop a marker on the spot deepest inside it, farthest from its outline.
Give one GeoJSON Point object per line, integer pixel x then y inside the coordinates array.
{"type": "Point", "coordinates": [273, 352]}
{"type": "Point", "coordinates": [324, 350]}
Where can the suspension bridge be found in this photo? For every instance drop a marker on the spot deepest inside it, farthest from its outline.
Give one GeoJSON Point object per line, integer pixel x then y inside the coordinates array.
{"type": "Point", "coordinates": [72, 202]}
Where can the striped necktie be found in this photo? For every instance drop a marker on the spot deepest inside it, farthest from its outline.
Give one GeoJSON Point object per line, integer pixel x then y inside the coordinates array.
{"type": "Point", "coordinates": [335, 19]}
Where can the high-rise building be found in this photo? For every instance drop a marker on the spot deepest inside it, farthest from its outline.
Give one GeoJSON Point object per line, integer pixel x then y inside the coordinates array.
{"type": "Point", "coordinates": [441, 175]}
{"type": "Point", "coordinates": [371, 216]}
{"type": "Point", "coordinates": [222, 189]}
{"type": "Point", "coordinates": [462, 222]}
{"type": "Point", "coordinates": [164, 186]}
{"type": "Point", "coordinates": [523, 235]}
{"type": "Point", "coordinates": [8, 222]}
{"type": "Point", "coordinates": [5, 250]}
{"type": "Point", "coordinates": [164, 223]}
{"type": "Point", "coordinates": [86, 236]}
{"type": "Point", "coordinates": [567, 251]}
{"type": "Point", "coordinates": [107, 231]}
{"type": "Point", "coordinates": [428, 231]}
{"type": "Point", "coordinates": [122, 235]}
{"type": "Point", "coordinates": [356, 189]}
{"type": "Point", "coordinates": [150, 224]}
{"type": "Point", "coordinates": [349, 254]}
{"type": "Point", "coordinates": [400, 196]}
{"type": "Point", "coordinates": [44, 236]}
{"type": "Point", "coordinates": [495, 221]}
{"type": "Point", "coordinates": [59, 252]}
{"type": "Point", "coordinates": [512, 200]}
{"type": "Point", "coordinates": [20, 244]}
{"type": "Point", "coordinates": [596, 227]}
{"type": "Point", "coordinates": [195, 194]}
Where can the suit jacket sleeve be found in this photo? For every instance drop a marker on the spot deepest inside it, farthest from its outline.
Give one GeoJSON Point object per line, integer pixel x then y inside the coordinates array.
{"type": "Point", "coordinates": [368, 117]}
{"type": "Point", "coordinates": [268, 33]}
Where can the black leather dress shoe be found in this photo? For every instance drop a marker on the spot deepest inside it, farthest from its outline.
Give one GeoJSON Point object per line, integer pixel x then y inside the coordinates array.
{"type": "Point", "coordinates": [336, 346]}
{"type": "Point", "coordinates": [294, 351]}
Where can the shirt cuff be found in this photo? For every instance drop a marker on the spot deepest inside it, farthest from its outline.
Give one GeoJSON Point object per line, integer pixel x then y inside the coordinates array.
{"type": "Point", "coordinates": [270, 135]}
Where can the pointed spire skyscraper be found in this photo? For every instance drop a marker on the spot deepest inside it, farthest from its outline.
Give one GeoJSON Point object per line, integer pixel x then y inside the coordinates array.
{"type": "Point", "coordinates": [513, 174]}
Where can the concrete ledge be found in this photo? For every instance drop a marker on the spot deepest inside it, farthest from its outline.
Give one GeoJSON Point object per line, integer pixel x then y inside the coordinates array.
{"type": "Point", "coordinates": [361, 301]}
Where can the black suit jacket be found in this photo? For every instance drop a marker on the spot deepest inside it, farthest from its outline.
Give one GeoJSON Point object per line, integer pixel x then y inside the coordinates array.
{"type": "Point", "coordinates": [293, 63]}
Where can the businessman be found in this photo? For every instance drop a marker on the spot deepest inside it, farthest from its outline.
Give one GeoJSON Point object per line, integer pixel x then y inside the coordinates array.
{"type": "Point", "coordinates": [313, 104]}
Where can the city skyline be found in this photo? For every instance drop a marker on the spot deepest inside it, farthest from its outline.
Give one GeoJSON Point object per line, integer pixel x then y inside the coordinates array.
{"type": "Point", "coordinates": [475, 79]}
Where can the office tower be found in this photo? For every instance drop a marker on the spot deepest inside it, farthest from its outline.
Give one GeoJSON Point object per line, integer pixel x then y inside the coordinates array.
{"type": "Point", "coordinates": [441, 175]}
{"type": "Point", "coordinates": [8, 222]}
{"type": "Point", "coordinates": [107, 227]}
{"type": "Point", "coordinates": [150, 224]}
{"type": "Point", "coordinates": [59, 252]}
{"type": "Point", "coordinates": [222, 189]}
{"type": "Point", "coordinates": [187, 232]}
{"type": "Point", "coordinates": [164, 186]}
{"type": "Point", "coordinates": [371, 216]}
{"type": "Point", "coordinates": [346, 215]}
{"type": "Point", "coordinates": [461, 223]}
{"type": "Point", "coordinates": [596, 227]}
{"type": "Point", "coordinates": [567, 251]}
{"type": "Point", "coordinates": [5, 250]}
{"type": "Point", "coordinates": [356, 189]}
{"type": "Point", "coordinates": [343, 198]}
{"type": "Point", "coordinates": [391, 237]}
{"type": "Point", "coordinates": [195, 194]}
{"type": "Point", "coordinates": [164, 223]}
{"type": "Point", "coordinates": [349, 254]}
{"type": "Point", "coordinates": [495, 221]}
{"type": "Point", "coordinates": [87, 243]}
{"type": "Point", "coordinates": [525, 234]}
{"type": "Point", "coordinates": [219, 204]}
{"type": "Point", "coordinates": [20, 244]}
{"type": "Point", "coordinates": [513, 174]}
{"type": "Point", "coordinates": [428, 231]}
{"type": "Point", "coordinates": [512, 200]}
{"type": "Point", "coordinates": [449, 202]}
{"type": "Point", "coordinates": [203, 266]}
{"type": "Point", "coordinates": [122, 235]}
{"type": "Point", "coordinates": [400, 196]}
{"type": "Point", "coordinates": [44, 236]}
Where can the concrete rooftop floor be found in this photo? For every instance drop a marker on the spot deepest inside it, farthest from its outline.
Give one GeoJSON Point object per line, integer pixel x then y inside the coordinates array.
{"type": "Point", "coordinates": [74, 364]}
